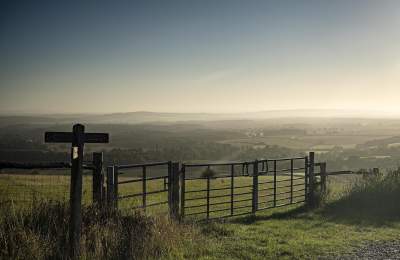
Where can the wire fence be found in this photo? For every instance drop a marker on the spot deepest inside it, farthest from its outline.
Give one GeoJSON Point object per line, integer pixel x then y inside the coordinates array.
{"type": "Point", "coordinates": [23, 184]}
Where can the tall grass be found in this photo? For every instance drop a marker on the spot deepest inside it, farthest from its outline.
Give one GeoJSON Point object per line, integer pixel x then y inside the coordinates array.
{"type": "Point", "coordinates": [41, 231]}
{"type": "Point", "coordinates": [374, 197]}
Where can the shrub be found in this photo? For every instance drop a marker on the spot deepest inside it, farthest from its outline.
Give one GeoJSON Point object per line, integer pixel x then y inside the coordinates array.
{"type": "Point", "coordinates": [208, 173]}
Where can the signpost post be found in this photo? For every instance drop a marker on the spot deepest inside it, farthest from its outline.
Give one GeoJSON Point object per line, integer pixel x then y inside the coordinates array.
{"type": "Point", "coordinates": [77, 138]}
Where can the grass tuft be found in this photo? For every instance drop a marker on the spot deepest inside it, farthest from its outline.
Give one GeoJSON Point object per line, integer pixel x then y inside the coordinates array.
{"type": "Point", "coordinates": [214, 229]}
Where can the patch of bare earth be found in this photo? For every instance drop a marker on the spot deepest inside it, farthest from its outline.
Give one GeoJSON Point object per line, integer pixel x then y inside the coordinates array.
{"type": "Point", "coordinates": [374, 251]}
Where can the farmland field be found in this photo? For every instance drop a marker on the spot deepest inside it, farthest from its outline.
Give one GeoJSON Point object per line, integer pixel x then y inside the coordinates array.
{"type": "Point", "coordinates": [23, 187]}
{"type": "Point", "coordinates": [307, 142]}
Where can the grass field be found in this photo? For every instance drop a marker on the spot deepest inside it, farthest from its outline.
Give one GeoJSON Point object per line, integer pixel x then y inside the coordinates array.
{"type": "Point", "coordinates": [352, 216]}
{"type": "Point", "coordinates": [23, 187]}
{"type": "Point", "coordinates": [287, 233]}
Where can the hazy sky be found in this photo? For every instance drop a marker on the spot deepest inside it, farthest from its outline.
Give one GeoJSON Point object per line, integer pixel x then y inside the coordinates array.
{"type": "Point", "coordinates": [199, 56]}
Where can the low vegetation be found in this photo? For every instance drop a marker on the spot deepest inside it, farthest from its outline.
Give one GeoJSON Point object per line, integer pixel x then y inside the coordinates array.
{"type": "Point", "coordinates": [373, 198]}
{"type": "Point", "coordinates": [39, 231]}
{"type": "Point", "coordinates": [357, 211]}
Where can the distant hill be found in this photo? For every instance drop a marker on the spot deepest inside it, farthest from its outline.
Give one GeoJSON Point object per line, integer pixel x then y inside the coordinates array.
{"type": "Point", "coordinates": [146, 117]}
{"type": "Point", "coordinates": [387, 142]}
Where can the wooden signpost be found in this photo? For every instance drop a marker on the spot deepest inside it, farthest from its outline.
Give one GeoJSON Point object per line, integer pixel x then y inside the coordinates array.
{"type": "Point", "coordinates": [77, 138]}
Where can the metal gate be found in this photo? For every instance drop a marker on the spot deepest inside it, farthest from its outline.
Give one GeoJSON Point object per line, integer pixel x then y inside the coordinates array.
{"type": "Point", "coordinates": [218, 190]}
{"type": "Point", "coordinates": [141, 186]}
{"type": "Point", "coordinates": [211, 190]}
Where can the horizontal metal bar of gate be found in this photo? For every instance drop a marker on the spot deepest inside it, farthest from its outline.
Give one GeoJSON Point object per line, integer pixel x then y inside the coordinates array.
{"type": "Point", "coordinates": [283, 205]}
{"type": "Point", "coordinates": [140, 194]}
{"type": "Point", "coordinates": [192, 191]}
{"type": "Point", "coordinates": [151, 205]}
{"type": "Point", "coordinates": [130, 166]}
{"type": "Point", "coordinates": [217, 203]}
{"type": "Point", "coordinates": [286, 198]}
{"type": "Point", "coordinates": [271, 182]}
{"type": "Point", "coordinates": [139, 180]}
{"type": "Point", "coordinates": [216, 164]}
{"type": "Point", "coordinates": [282, 159]}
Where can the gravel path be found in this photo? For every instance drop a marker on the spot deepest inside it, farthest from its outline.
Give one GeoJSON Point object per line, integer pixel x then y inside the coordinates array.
{"type": "Point", "coordinates": [378, 250]}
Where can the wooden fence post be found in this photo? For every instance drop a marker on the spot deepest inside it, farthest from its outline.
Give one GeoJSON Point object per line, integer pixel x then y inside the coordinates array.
{"type": "Point", "coordinates": [311, 179]}
{"type": "Point", "coordinates": [169, 186]}
{"type": "Point", "coordinates": [110, 186]}
{"type": "Point", "coordinates": [255, 187]}
{"type": "Point", "coordinates": [232, 187]}
{"type": "Point", "coordinates": [323, 177]}
{"type": "Point", "coordinates": [173, 190]}
{"type": "Point", "coordinates": [115, 193]}
{"type": "Point", "coordinates": [144, 189]}
{"type": "Point", "coordinates": [98, 179]}
{"type": "Point", "coordinates": [183, 177]}
{"type": "Point", "coordinates": [306, 188]}
{"type": "Point", "coordinates": [208, 195]}
{"type": "Point", "coordinates": [275, 179]}
{"type": "Point", "coordinates": [291, 180]}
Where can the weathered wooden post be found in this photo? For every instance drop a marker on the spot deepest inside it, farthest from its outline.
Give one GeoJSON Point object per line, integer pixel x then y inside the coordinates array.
{"type": "Point", "coordinates": [173, 190]}
{"type": "Point", "coordinates": [323, 177]}
{"type": "Point", "coordinates": [311, 179]}
{"type": "Point", "coordinates": [275, 181]}
{"type": "Point", "coordinates": [115, 191]}
{"type": "Point", "coordinates": [291, 180]}
{"type": "Point", "coordinates": [208, 194]}
{"type": "Point", "coordinates": [169, 187]}
{"type": "Point", "coordinates": [77, 138]}
{"type": "Point", "coordinates": [254, 207]}
{"type": "Point", "coordinates": [306, 188]}
{"type": "Point", "coordinates": [110, 187]}
{"type": "Point", "coordinates": [98, 179]}
{"type": "Point", "coordinates": [76, 189]}
{"type": "Point", "coordinates": [232, 187]}
{"type": "Point", "coordinates": [183, 180]}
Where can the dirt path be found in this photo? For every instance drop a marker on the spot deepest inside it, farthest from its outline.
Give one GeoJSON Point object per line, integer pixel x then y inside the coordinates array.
{"type": "Point", "coordinates": [378, 250]}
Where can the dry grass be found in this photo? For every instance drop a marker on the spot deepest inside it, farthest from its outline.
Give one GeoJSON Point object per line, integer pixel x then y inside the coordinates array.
{"type": "Point", "coordinates": [40, 231]}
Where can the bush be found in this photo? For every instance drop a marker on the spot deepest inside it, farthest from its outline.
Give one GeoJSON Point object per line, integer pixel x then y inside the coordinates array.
{"type": "Point", "coordinates": [41, 232]}
{"type": "Point", "coordinates": [208, 173]}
